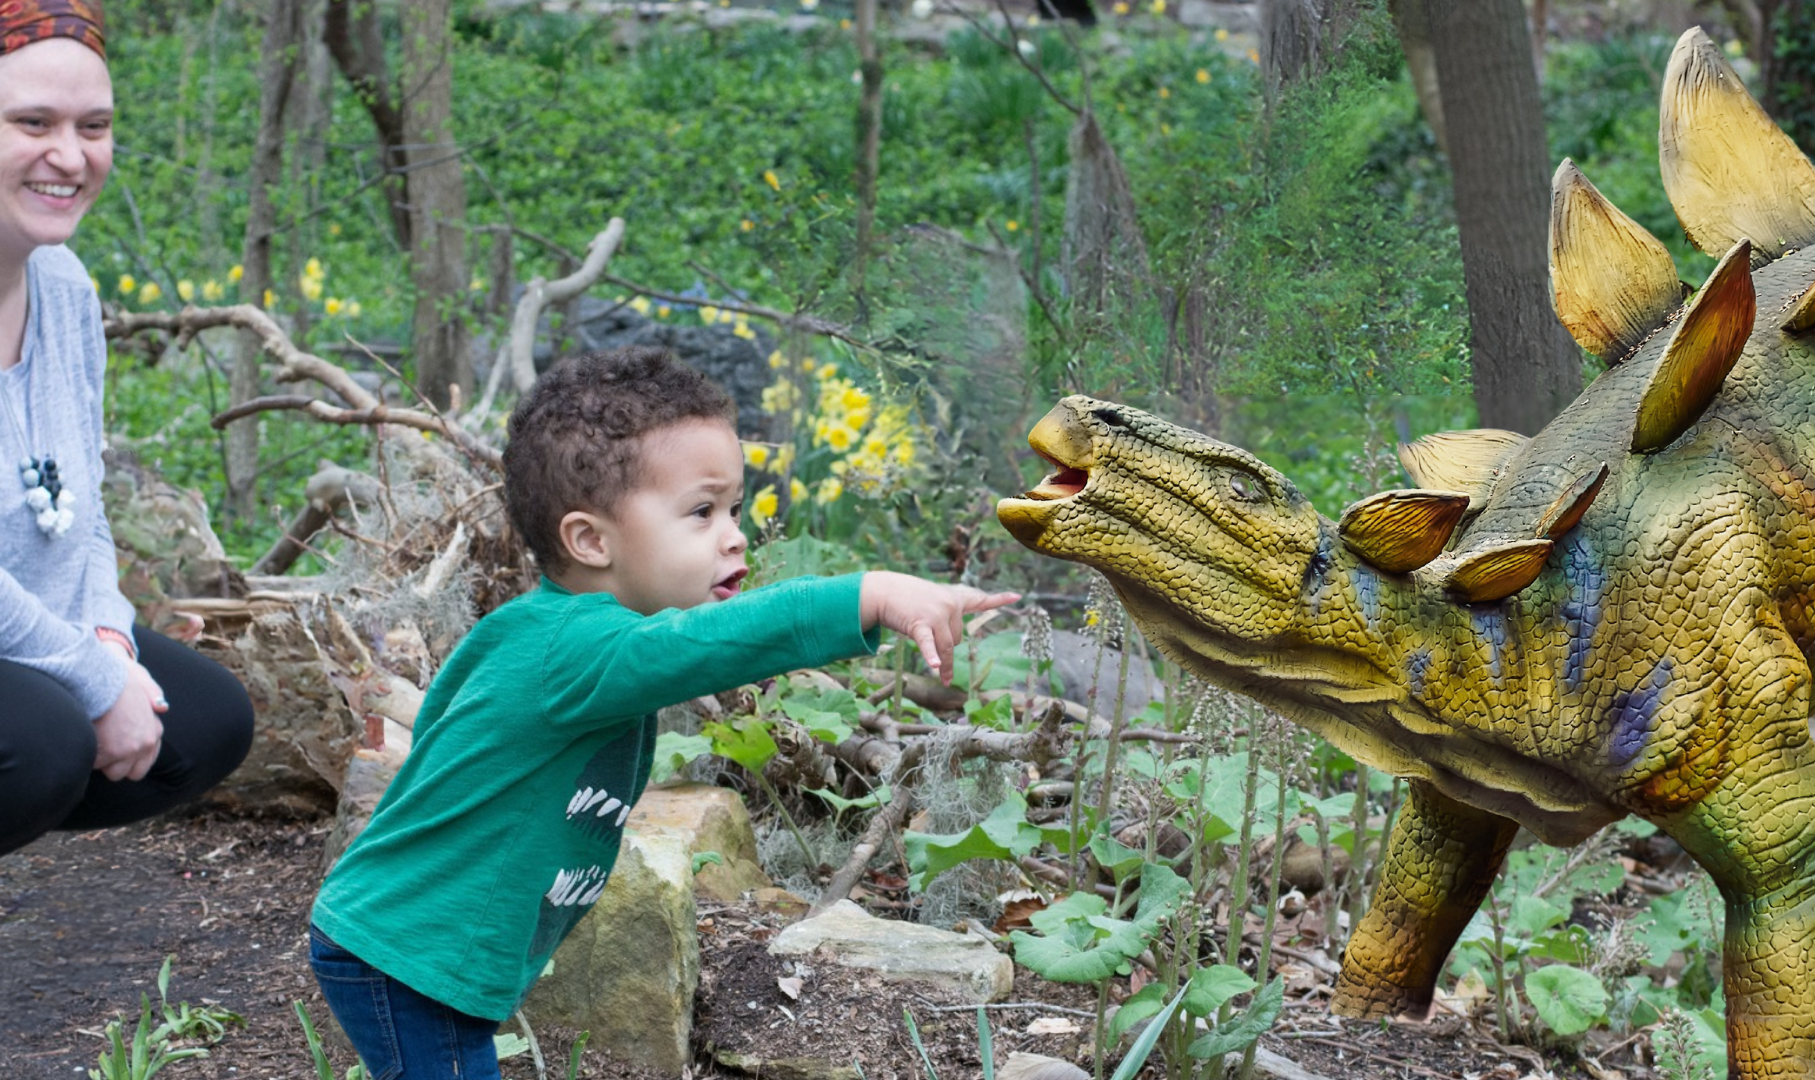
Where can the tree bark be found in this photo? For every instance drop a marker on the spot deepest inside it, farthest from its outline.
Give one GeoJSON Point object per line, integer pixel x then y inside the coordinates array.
{"type": "Point", "coordinates": [1411, 22]}
{"type": "Point", "coordinates": [353, 37]}
{"type": "Point", "coordinates": [1300, 38]}
{"type": "Point", "coordinates": [1526, 366]}
{"type": "Point", "coordinates": [437, 203]}
{"type": "Point", "coordinates": [283, 54]}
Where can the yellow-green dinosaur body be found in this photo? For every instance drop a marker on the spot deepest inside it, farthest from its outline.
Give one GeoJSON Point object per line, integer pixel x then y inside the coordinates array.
{"type": "Point", "coordinates": [1534, 639]}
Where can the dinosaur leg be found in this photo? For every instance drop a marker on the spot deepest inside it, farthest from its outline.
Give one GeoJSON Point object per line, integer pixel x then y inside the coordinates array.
{"type": "Point", "coordinates": [1441, 860]}
{"type": "Point", "coordinates": [1769, 974]}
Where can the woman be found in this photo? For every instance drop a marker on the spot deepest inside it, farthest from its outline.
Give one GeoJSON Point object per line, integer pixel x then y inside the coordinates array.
{"type": "Point", "coordinates": [101, 722]}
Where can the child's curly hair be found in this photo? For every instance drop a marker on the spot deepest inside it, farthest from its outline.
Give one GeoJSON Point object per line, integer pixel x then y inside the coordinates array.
{"type": "Point", "coordinates": [574, 437]}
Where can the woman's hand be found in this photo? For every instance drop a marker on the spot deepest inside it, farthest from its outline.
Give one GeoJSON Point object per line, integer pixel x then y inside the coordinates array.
{"type": "Point", "coordinates": [926, 611]}
{"type": "Point", "coordinates": [129, 733]}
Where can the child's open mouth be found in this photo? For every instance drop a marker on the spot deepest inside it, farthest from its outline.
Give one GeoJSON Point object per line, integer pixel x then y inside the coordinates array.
{"type": "Point", "coordinates": [727, 588]}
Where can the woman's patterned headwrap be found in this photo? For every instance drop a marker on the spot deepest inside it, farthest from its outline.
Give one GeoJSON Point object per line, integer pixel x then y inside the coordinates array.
{"type": "Point", "coordinates": [23, 22]}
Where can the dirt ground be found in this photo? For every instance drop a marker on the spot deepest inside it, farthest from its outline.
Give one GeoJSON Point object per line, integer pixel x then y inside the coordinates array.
{"type": "Point", "coordinates": [87, 918]}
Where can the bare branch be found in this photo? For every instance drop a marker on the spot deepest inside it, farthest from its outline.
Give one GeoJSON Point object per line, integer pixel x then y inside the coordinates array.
{"type": "Point", "coordinates": [520, 348]}
{"type": "Point", "coordinates": [294, 365]}
{"type": "Point", "coordinates": [808, 323]}
{"type": "Point", "coordinates": [377, 414]}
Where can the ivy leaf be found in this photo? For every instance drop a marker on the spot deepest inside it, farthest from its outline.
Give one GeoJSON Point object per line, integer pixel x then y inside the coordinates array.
{"type": "Point", "coordinates": [1568, 999]}
{"type": "Point", "coordinates": [746, 742]}
{"type": "Point", "coordinates": [674, 752]}
{"type": "Point", "coordinates": [1005, 834]}
{"type": "Point", "coordinates": [1145, 1002]}
{"type": "Point", "coordinates": [1211, 986]}
{"type": "Point", "coordinates": [1246, 1028]}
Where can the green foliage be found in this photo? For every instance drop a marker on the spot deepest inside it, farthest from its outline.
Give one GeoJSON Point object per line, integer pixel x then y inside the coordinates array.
{"type": "Point", "coordinates": [1004, 834]}
{"type": "Point", "coordinates": [1079, 943]}
{"type": "Point", "coordinates": [144, 1054]}
{"type": "Point", "coordinates": [324, 1069]}
{"type": "Point", "coordinates": [1243, 1031]}
{"type": "Point", "coordinates": [1568, 999]}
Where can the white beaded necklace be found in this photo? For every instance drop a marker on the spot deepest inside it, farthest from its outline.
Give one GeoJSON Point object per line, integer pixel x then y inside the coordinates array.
{"type": "Point", "coordinates": [46, 499]}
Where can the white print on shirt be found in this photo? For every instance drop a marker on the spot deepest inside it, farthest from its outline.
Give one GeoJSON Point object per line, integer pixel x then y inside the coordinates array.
{"type": "Point", "coordinates": [586, 799]}
{"type": "Point", "coordinates": [577, 887]}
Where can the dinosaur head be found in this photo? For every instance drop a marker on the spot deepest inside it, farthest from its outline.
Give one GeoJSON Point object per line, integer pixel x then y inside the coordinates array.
{"type": "Point", "coordinates": [1158, 509]}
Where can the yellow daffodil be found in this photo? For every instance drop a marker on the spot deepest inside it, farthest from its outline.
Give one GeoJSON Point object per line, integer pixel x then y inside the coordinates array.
{"type": "Point", "coordinates": [840, 438]}
{"type": "Point", "coordinates": [236, 273]}
{"type": "Point", "coordinates": [1013, 225]}
{"type": "Point", "coordinates": [1221, 35]}
{"type": "Point", "coordinates": [1253, 56]}
{"type": "Point", "coordinates": [778, 397]}
{"type": "Point", "coordinates": [476, 284]}
{"type": "Point", "coordinates": [856, 398]}
{"type": "Point", "coordinates": [1159, 7]}
{"type": "Point", "coordinates": [212, 290]}
{"type": "Point", "coordinates": [784, 458]}
{"type": "Point", "coordinates": [185, 290]}
{"type": "Point", "coordinates": [94, 282]}
{"type": "Point", "coordinates": [1120, 7]}
{"type": "Point", "coordinates": [876, 448]}
{"type": "Point", "coordinates": [826, 371]}
{"type": "Point", "coordinates": [746, 225]}
{"type": "Point", "coordinates": [333, 306]}
{"type": "Point", "coordinates": [128, 285]}
{"type": "Point", "coordinates": [640, 305]}
{"type": "Point", "coordinates": [797, 491]}
{"type": "Point", "coordinates": [777, 361]}
{"type": "Point", "coordinates": [856, 419]}
{"type": "Point", "coordinates": [808, 364]}
{"type": "Point", "coordinates": [763, 505]}
{"type": "Point", "coordinates": [905, 453]}
{"type": "Point", "coordinates": [1203, 75]}
{"type": "Point", "coordinates": [333, 228]}
{"type": "Point", "coordinates": [270, 298]}
{"type": "Point", "coordinates": [743, 330]}
{"type": "Point", "coordinates": [756, 455]}
{"type": "Point", "coordinates": [662, 311]}
{"type": "Point", "coordinates": [769, 176]}
{"type": "Point", "coordinates": [829, 490]}
{"type": "Point", "coordinates": [312, 268]}
{"type": "Point", "coordinates": [1165, 92]}
{"type": "Point", "coordinates": [311, 288]}
{"type": "Point", "coordinates": [1165, 129]}
{"type": "Point", "coordinates": [150, 293]}
{"type": "Point", "coordinates": [709, 314]}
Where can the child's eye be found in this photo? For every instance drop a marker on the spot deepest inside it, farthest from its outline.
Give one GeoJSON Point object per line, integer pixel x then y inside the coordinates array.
{"type": "Point", "coordinates": [737, 510]}
{"type": "Point", "coordinates": [703, 510]}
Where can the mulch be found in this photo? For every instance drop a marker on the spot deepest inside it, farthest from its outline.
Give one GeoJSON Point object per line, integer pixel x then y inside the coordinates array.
{"type": "Point", "coordinates": [86, 919]}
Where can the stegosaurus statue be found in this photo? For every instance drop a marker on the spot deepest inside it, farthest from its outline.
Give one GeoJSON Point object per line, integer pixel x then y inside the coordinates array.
{"type": "Point", "coordinates": [1615, 616]}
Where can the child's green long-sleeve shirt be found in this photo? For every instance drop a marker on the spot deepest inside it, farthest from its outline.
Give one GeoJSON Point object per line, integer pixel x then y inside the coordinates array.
{"type": "Point", "coordinates": [531, 746]}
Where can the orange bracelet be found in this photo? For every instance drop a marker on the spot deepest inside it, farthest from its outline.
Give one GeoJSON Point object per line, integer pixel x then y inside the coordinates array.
{"type": "Point", "coordinates": [108, 633]}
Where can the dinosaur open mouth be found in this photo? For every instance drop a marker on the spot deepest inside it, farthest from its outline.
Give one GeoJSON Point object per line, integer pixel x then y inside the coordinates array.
{"type": "Point", "coordinates": [1064, 482]}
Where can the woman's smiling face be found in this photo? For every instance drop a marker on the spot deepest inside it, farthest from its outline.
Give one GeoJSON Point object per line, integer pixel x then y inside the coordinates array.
{"type": "Point", "coordinates": [56, 142]}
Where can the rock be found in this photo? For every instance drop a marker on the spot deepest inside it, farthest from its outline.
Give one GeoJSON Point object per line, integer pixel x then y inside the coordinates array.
{"type": "Point", "coordinates": [1075, 668]}
{"type": "Point", "coordinates": [629, 970]}
{"type": "Point", "coordinates": [706, 818]}
{"type": "Point", "coordinates": [794, 1068]}
{"type": "Point", "coordinates": [1021, 1066]}
{"type": "Point", "coordinates": [901, 952]}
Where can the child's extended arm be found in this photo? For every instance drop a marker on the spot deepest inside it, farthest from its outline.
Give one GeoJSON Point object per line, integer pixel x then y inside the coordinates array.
{"type": "Point", "coordinates": [929, 613]}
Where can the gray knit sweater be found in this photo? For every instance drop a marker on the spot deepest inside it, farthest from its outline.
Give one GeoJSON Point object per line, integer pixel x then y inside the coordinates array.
{"type": "Point", "coordinates": [54, 591]}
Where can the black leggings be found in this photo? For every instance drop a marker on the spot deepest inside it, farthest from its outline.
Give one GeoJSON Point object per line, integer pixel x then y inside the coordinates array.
{"type": "Point", "coordinates": [47, 746]}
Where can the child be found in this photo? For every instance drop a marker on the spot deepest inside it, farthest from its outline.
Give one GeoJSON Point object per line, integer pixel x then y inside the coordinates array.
{"type": "Point", "coordinates": [625, 478]}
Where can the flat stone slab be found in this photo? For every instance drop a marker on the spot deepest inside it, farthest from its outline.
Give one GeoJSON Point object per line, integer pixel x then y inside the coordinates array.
{"type": "Point", "coordinates": [901, 952]}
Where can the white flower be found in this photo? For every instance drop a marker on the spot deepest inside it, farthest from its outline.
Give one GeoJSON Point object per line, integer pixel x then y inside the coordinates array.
{"type": "Point", "coordinates": [923, 9]}
{"type": "Point", "coordinates": [38, 499]}
{"type": "Point", "coordinates": [1026, 47]}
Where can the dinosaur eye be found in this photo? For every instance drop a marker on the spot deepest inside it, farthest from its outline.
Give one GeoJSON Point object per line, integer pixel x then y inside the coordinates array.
{"type": "Point", "coordinates": [1245, 487]}
{"type": "Point", "coordinates": [1110, 417]}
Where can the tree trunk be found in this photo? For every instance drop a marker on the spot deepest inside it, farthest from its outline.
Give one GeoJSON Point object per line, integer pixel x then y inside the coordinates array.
{"type": "Point", "coordinates": [353, 37]}
{"type": "Point", "coordinates": [869, 136]}
{"type": "Point", "coordinates": [1411, 22]}
{"type": "Point", "coordinates": [1526, 366]}
{"type": "Point", "coordinates": [437, 203]}
{"type": "Point", "coordinates": [1300, 38]}
{"type": "Point", "coordinates": [284, 48]}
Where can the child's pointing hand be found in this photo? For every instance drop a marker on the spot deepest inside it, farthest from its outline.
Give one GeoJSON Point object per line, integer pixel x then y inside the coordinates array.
{"type": "Point", "coordinates": [929, 613]}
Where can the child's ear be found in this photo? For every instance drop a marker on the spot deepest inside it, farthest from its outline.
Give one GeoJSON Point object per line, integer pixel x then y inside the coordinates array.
{"type": "Point", "coordinates": [585, 538]}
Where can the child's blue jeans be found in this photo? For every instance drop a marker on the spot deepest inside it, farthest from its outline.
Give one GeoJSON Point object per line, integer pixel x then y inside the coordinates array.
{"type": "Point", "coordinates": [400, 1034]}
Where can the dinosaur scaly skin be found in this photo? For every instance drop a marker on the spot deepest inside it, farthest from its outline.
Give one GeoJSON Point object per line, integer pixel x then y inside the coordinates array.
{"type": "Point", "coordinates": [1557, 646]}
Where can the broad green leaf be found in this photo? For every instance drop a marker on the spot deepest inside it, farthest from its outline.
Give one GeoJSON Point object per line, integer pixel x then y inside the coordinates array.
{"type": "Point", "coordinates": [1145, 1002]}
{"type": "Point", "coordinates": [1211, 986]}
{"type": "Point", "coordinates": [744, 741]}
{"type": "Point", "coordinates": [877, 797]}
{"type": "Point", "coordinates": [1114, 856]}
{"type": "Point", "coordinates": [509, 1045]}
{"type": "Point", "coordinates": [1143, 1046]}
{"type": "Point", "coordinates": [1531, 915]}
{"type": "Point", "coordinates": [1245, 1029]}
{"type": "Point", "coordinates": [830, 714]}
{"type": "Point", "coordinates": [1005, 834]}
{"type": "Point", "coordinates": [1000, 665]}
{"type": "Point", "coordinates": [1078, 943]}
{"type": "Point", "coordinates": [674, 752]}
{"type": "Point", "coordinates": [1568, 999]}
{"type": "Point", "coordinates": [997, 713]}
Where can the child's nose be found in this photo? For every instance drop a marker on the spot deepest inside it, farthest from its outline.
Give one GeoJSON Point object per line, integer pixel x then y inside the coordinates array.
{"type": "Point", "coordinates": [734, 539]}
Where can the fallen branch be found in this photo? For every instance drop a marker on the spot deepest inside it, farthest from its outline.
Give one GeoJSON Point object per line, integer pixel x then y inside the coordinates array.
{"type": "Point", "coordinates": [519, 351]}
{"type": "Point", "coordinates": [331, 488]}
{"type": "Point", "coordinates": [881, 827]}
{"type": "Point", "coordinates": [294, 365]}
{"type": "Point", "coordinates": [374, 415]}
